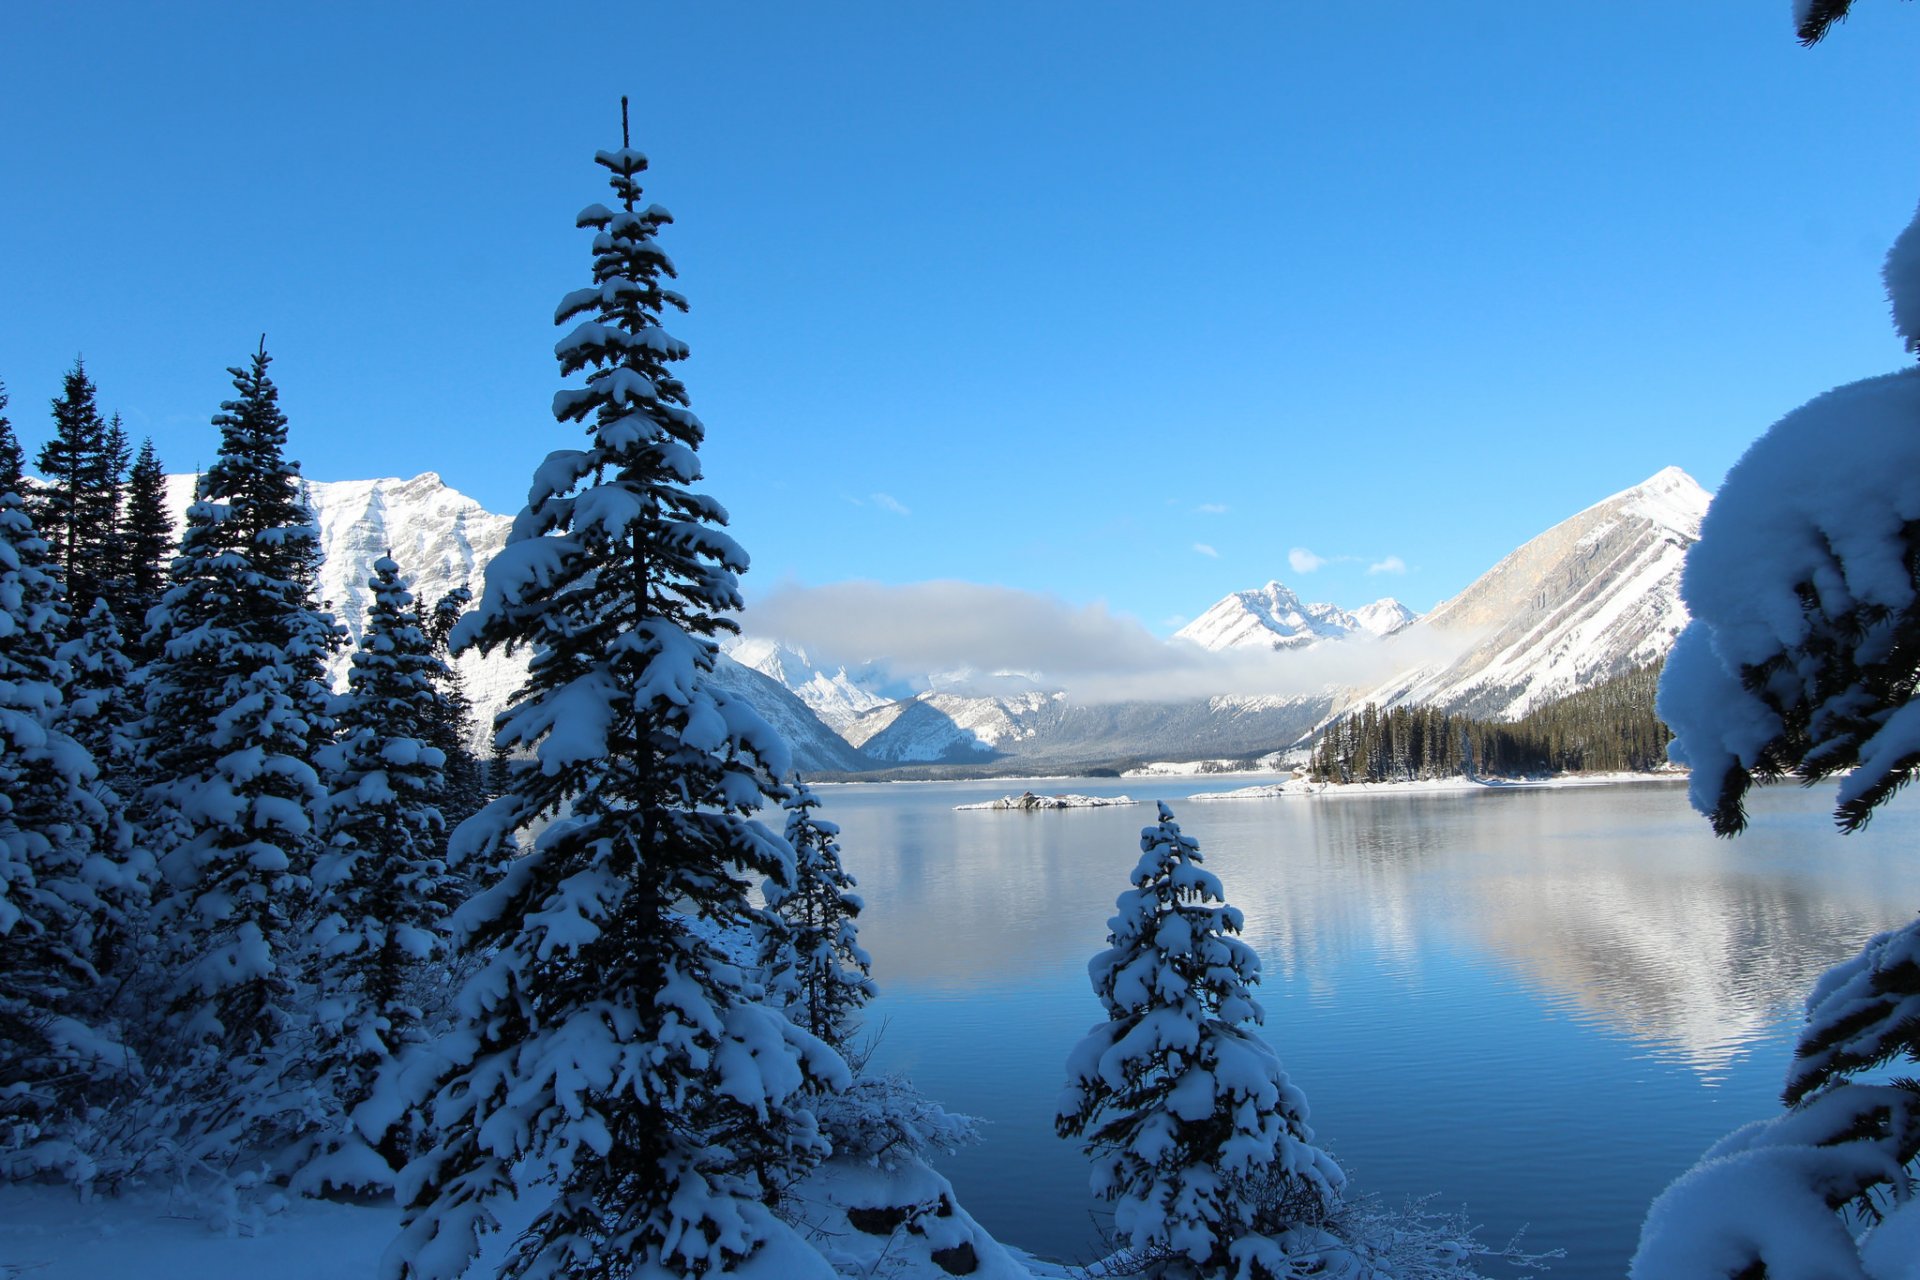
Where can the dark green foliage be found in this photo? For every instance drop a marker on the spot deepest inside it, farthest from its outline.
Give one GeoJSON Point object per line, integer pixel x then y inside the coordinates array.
{"type": "Point", "coordinates": [146, 544]}
{"type": "Point", "coordinates": [1606, 729]}
{"type": "Point", "coordinates": [13, 462]}
{"type": "Point", "coordinates": [76, 507]}
{"type": "Point", "coordinates": [1833, 690]}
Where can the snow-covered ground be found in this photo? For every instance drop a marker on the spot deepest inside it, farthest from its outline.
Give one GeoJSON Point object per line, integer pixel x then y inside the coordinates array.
{"type": "Point", "coordinates": [49, 1233]}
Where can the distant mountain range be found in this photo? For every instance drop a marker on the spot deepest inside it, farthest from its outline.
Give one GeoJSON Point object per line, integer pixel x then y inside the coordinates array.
{"type": "Point", "coordinates": [1595, 595]}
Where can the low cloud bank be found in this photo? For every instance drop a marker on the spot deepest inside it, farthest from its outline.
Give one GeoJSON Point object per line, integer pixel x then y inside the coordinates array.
{"type": "Point", "coordinates": [1034, 640]}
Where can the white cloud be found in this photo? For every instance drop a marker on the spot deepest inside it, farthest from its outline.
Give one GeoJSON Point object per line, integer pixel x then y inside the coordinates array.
{"type": "Point", "coordinates": [887, 502]}
{"type": "Point", "coordinates": [1304, 561]}
{"type": "Point", "coordinates": [1206, 550]}
{"type": "Point", "coordinates": [1091, 653]}
{"type": "Point", "coordinates": [1212, 509]}
{"type": "Point", "coordinates": [1392, 564]}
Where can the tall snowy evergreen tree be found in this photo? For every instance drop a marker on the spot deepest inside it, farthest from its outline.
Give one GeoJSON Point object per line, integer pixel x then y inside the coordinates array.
{"type": "Point", "coordinates": [74, 511]}
{"type": "Point", "coordinates": [609, 1030]}
{"type": "Point", "coordinates": [1199, 1140]}
{"type": "Point", "coordinates": [54, 1058]}
{"type": "Point", "coordinates": [816, 968]}
{"type": "Point", "coordinates": [381, 879]}
{"type": "Point", "coordinates": [231, 729]}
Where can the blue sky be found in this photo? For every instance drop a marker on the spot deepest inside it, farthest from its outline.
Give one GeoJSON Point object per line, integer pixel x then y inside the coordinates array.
{"type": "Point", "coordinates": [1116, 302]}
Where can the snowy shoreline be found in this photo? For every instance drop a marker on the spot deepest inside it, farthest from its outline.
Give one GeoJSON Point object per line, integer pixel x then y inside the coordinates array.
{"type": "Point", "coordinates": [1301, 788]}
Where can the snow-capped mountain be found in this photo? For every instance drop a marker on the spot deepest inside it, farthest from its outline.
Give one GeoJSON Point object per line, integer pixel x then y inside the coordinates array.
{"type": "Point", "coordinates": [1594, 596]}
{"type": "Point", "coordinates": [442, 540]}
{"type": "Point", "coordinates": [839, 698]}
{"type": "Point", "coordinates": [1273, 617]}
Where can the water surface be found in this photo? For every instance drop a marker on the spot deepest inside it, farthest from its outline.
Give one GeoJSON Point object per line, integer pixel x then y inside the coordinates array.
{"type": "Point", "coordinates": [1540, 1004]}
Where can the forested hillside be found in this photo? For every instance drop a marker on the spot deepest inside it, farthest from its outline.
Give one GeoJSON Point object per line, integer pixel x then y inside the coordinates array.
{"type": "Point", "coordinates": [1609, 728]}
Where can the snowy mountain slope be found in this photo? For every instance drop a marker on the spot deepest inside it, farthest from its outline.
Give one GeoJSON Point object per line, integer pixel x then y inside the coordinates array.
{"type": "Point", "coordinates": [839, 698]}
{"type": "Point", "coordinates": [1273, 617]}
{"type": "Point", "coordinates": [1595, 595]}
{"type": "Point", "coordinates": [1041, 730]}
{"type": "Point", "coordinates": [443, 539]}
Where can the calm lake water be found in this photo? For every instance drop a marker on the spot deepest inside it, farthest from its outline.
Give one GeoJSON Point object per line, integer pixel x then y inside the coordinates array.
{"type": "Point", "coordinates": [1540, 1004]}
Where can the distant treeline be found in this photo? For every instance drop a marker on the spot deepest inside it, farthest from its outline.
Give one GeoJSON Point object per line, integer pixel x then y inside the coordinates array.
{"type": "Point", "coordinates": [1608, 728]}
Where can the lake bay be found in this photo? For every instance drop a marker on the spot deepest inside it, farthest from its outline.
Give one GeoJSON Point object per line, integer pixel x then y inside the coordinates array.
{"type": "Point", "coordinates": [1540, 1004]}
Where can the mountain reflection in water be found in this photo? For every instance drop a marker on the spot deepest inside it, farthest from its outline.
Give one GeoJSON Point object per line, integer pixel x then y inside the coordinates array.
{"type": "Point", "coordinates": [1543, 1003]}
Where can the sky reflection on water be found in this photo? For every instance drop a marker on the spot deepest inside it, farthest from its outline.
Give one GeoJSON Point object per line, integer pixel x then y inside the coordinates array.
{"type": "Point", "coordinates": [1543, 1004]}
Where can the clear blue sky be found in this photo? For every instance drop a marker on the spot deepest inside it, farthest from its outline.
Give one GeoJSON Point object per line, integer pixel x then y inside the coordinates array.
{"type": "Point", "coordinates": [1035, 295]}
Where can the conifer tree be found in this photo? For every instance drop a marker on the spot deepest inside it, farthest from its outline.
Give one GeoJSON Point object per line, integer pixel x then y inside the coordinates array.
{"type": "Point", "coordinates": [1199, 1140]}
{"type": "Point", "coordinates": [54, 1054]}
{"type": "Point", "coordinates": [608, 1030]}
{"type": "Point", "coordinates": [816, 968]}
{"type": "Point", "coordinates": [74, 509]}
{"type": "Point", "coordinates": [231, 732]}
{"type": "Point", "coordinates": [464, 789]}
{"type": "Point", "coordinates": [147, 543]}
{"type": "Point", "coordinates": [13, 462]}
{"type": "Point", "coordinates": [381, 879]}
{"type": "Point", "coordinates": [102, 713]}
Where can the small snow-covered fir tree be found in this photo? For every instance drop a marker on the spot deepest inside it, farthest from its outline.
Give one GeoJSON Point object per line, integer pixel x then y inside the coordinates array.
{"type": "Point", "coordinates": [816, 968]}
{"type": "Point", "coordinates": [233, 719]}
{"type": "Point", "coordinates": [1199, 1140]}
{"type": "Point", "coordinates": [610, 1030]}
{"type": "Point", "coordinates": [56, 1056]}
{"type": "Point", "coordinates": [1803, 658]}
{"type": "Point", "coordinates": [380, 881]}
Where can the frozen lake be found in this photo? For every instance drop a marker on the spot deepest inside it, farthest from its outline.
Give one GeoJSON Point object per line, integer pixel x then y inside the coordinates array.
{"type": "Point", "coordinates": [1540, 1004]}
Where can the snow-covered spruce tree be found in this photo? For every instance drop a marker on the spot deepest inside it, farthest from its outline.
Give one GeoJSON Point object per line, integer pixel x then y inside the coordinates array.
{"type": "Point", "coordinates": [56, 1059]}
{"type": "Point", "coordinates": [1802, 658]}
{"type": "Point", "coordinates": [381, 886]}
{"type": "Point", "coordinates": [232, 725]}
{"type": "Point", "coordinates": [1199, 1140]}
{"type": "Point", "coordinates": [102, 714]}
{"type": "Point", "coordinates": [612, 1031]}
{"type": "Point", "coordinates": [816, 969]}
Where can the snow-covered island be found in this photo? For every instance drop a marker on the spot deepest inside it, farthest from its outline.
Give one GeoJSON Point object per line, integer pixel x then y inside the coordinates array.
{"type": "Point", "coordinates": [1028, 801]}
